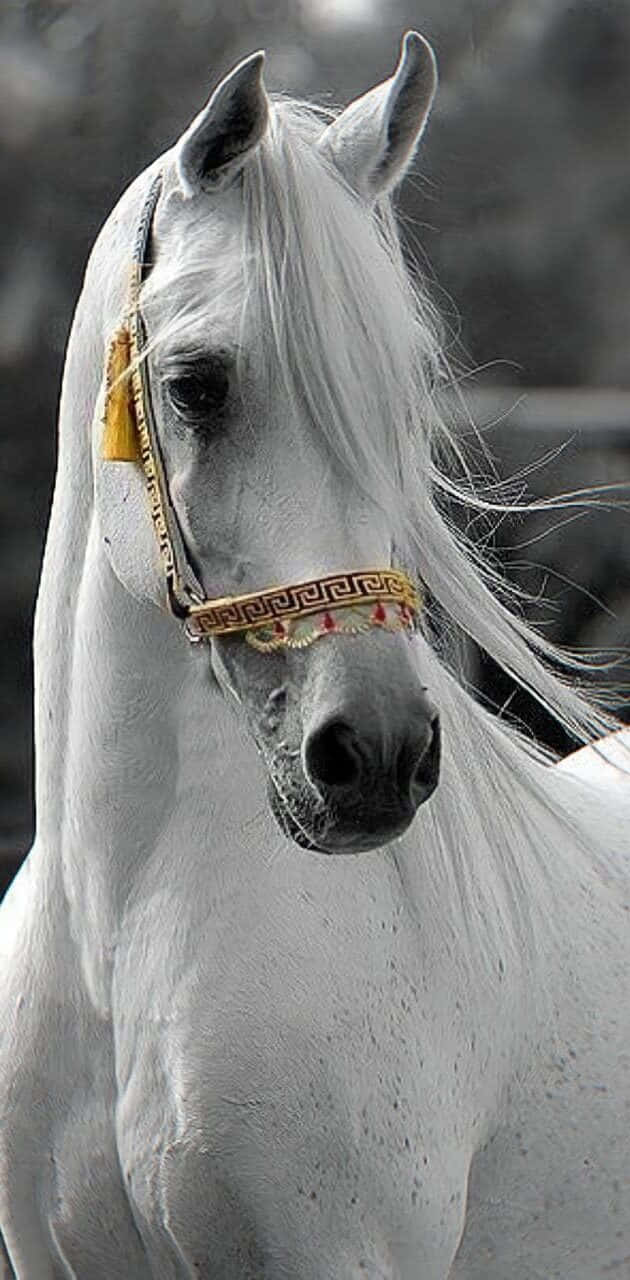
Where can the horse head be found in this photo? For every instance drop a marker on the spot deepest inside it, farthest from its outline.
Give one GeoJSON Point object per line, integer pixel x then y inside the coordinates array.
{"type": "Point", "coordinates": [283, 363]}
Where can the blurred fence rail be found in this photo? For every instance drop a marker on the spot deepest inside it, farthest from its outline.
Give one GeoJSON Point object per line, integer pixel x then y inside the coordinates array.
{"type": "Point", "coordinates": [602, 417]}
{"type": "Point", "coordinates": [574, 563]}
{"type": "Point", "coordinates": [576, 567]}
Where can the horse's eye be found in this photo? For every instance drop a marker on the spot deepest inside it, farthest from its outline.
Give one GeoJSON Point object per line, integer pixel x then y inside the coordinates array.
{"type": "Point", "coordinates": [200, 392]}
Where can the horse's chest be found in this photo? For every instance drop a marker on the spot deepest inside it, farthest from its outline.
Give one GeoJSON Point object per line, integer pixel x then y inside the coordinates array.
{"type": "Point", "coordinates": [550, 1194]}
{"type": "Point", "coordinates": [304, 1126]}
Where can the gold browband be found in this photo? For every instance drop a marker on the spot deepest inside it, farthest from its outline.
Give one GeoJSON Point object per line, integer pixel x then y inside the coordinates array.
{"type": "Point", "coordinates": [270, 618]}
{"type": "Point", "coordinates": [315, 595]}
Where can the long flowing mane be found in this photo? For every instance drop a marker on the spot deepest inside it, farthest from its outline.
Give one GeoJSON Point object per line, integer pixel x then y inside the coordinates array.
{"type": "Point", "coordinates": [359, 343]}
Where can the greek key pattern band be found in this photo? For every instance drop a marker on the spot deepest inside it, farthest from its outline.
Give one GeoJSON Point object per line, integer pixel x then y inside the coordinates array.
{"type": "Point", "coordinates": [279, 604]}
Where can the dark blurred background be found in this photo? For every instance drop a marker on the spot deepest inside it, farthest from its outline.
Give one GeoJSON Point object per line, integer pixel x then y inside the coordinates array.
{"type": "Point", "coordinates": [517, 212]}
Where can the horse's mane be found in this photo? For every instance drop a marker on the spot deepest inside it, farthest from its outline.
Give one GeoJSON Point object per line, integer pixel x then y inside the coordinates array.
{"type": "Point", "coordinates": [360, 345]}
{"type": "Point", "coordinates": [359, 342]}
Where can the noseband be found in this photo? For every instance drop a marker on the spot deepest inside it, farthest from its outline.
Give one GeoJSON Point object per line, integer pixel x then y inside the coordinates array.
{"type": "Point", "coordinates": [277, 617]}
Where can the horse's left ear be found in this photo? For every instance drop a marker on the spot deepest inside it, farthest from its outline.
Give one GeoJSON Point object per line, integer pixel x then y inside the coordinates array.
{"type": "Point", "coordinates": [373, 140]}
{"type": "Point", "coordinates": [219, 140]}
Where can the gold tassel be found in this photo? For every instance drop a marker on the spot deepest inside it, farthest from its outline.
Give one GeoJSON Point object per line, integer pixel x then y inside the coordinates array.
{"type": "Point", "coordinates": [120, 438]}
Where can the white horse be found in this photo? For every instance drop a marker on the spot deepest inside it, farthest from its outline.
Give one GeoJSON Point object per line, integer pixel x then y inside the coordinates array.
{"type": "Point", "coordinates": [224, 1055]}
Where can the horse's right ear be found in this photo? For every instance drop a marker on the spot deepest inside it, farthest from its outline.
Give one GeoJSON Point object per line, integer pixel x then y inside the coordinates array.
{"type": "Point", "coordinates": [219, 140]}
{"type": "Point", "coordinates": [372, 142]}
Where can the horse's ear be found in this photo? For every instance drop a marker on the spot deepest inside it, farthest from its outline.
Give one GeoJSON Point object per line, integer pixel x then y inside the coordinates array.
{"type": "Point", "coordinates": [373, 140]}
{"type": "Point", "coordinates": [220, 138]}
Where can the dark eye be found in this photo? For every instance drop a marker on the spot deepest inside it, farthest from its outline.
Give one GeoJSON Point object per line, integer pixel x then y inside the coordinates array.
{"type": "Point", "coordinates": [199, 392]}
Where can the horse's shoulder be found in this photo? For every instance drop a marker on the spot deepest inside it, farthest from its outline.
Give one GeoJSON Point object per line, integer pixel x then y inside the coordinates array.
{"type": "Point", "coordinates": [607, 760]}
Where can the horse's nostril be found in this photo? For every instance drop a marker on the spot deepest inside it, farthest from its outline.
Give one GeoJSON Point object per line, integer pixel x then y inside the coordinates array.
{"type": "Point", "coordinates": [335, 757]}
{"type": "Point", "coordinates": [425, 774]}
{"type": "Point", "coordinates": [332, 756]}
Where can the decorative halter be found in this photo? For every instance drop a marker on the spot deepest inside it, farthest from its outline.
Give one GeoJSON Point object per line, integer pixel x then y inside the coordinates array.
{"type": "Point", "coordinates": [278, 617]}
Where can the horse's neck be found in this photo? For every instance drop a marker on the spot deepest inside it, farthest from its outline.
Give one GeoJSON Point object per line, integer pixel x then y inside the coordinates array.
{"type": "Point", "coordinates": [61, 574]}
{"type": "Point", "coordinates": [142, 726]}
{"type": "Point", "coordinates": [72, 508]}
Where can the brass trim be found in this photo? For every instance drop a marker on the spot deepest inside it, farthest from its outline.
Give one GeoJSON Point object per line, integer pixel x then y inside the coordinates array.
{"type": "Point", "coordinates": [298, 599]}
